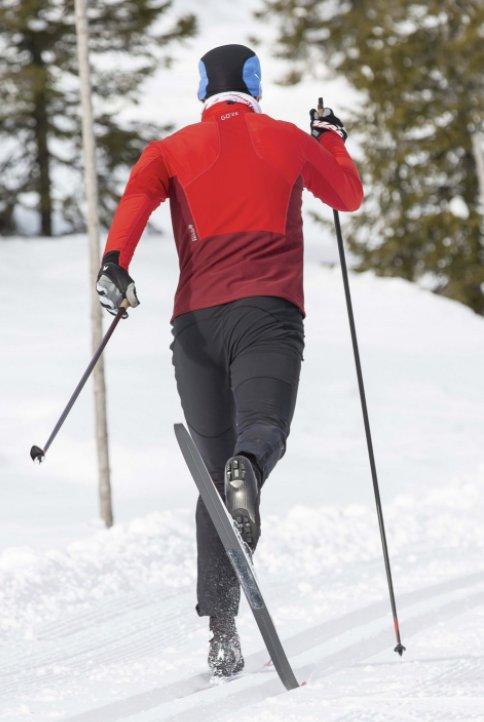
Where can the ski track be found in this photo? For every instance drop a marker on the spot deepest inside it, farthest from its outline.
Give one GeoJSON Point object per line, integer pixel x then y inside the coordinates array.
{"type": "Point", "coordinates": [467, 668]}
{"type": "Point", "coordinates": [154, 624]}
{"type": "Point", "coordinates": [325, 666]}
{"type": "Point", "coordinates": [105, 642]}
{"type": "Point", "coordinates": [393, 712]}
{"type": "Point", "coordinates": [147, 626]}
{"type": "Point", "coordinates": [150, 624]}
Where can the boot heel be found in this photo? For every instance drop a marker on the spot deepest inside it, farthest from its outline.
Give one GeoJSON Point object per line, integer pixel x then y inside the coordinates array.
{"type": "Point", "coordinates": [242, 498]}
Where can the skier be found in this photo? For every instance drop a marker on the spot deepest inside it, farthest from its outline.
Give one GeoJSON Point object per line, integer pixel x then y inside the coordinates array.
{"type": "Point", "coordinates": [234, 181]}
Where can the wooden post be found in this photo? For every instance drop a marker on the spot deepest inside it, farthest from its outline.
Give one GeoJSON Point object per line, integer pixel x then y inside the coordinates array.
{"type": "Point", "coordinates": [478, 149]}
{"type": "Point", "coordinates": [90, 176]}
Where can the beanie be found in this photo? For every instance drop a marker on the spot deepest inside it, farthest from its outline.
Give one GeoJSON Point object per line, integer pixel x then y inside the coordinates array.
{"type": "Point", "coordinates": [229, 68]}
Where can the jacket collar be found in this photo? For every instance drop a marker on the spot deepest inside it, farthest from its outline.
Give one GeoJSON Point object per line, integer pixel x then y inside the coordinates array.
{"type": "Point", "coordinates": [225, 108]}
{"type": "Point", "coordinates": [221, 103]}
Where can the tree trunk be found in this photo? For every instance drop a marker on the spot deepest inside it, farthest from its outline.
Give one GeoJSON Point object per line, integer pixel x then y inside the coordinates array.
{"type": "Point", "coordinates": [89, 149]}
{"type": "Point", "coordinates": [478, 150]}
{"type": "Point", "coordinates": [41, 132]}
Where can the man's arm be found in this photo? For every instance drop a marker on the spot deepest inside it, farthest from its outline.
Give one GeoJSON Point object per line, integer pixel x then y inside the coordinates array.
{"type": "Point", "coordinates": [147, 187]}
{"type": "Point", "coordinates": [330, 174]}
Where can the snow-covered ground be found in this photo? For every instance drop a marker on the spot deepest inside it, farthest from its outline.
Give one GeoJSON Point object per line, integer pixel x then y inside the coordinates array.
{"type": "Point", "coordinates": [99, 626]}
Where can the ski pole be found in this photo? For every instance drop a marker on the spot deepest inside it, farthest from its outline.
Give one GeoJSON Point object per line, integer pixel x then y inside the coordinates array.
{"type": "Point", "coordinates": [36, 453]}
{"type": "Point", "coordinates": [399, 648]}
{"type": "Point", "coordinates": [359, 373]}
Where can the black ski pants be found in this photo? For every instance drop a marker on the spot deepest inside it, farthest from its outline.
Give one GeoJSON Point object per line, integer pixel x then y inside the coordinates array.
{"type": "Point", "coordinates": [237, 371]}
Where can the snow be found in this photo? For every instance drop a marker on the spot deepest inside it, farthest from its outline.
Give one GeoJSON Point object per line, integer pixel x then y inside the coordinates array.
{"type": "Point", "coordinates": [99, 626]}
{"type": "Point", "coordinates": [458, 207]}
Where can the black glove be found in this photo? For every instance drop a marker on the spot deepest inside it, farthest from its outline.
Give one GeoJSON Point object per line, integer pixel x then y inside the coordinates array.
{"type": "Point", "coordinates": [114, 284]}
{"type": "Point", "coordinates": [328, 122]}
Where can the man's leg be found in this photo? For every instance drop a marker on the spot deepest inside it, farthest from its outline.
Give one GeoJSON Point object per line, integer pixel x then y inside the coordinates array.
{"type": "Point", "coordinates": [207, 402]}
{"type": "Point", "coordinates": [264, 376]}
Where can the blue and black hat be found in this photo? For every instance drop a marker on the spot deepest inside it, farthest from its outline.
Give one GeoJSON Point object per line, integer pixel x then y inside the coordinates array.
{"type": "Point", "coordinates": [229, 68]}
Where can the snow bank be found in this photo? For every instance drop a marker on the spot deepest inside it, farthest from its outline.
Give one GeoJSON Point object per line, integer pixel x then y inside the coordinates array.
{"type": "Point", "coordinates": [155, 555]}
{"type": "Point", "coordinates": [36, 587]}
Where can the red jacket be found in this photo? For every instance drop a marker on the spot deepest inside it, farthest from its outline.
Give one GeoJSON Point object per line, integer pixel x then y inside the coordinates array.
{"type": "Point", "coordinates": [235, 181]}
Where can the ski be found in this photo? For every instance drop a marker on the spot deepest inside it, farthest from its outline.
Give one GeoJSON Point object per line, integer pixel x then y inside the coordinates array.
{"type": "Point", "coordinates": [236, 551]}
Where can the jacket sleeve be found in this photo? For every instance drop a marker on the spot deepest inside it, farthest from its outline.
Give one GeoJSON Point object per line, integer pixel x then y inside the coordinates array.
{"type": "Point", "coordinates": [330, 174]}
{"type": "Point", "coordinates": [147, 187]}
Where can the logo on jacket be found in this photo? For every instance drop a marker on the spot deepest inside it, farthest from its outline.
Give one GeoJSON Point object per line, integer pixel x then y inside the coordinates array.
{"type": "Point", "coordinates": [229, 115]}
{"type": "Point", "coordinates": [192, 233]}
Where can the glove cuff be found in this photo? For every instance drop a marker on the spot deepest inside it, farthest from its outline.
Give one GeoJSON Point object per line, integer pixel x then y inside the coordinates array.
{"type": "Point", "coordinates": [111, 257]}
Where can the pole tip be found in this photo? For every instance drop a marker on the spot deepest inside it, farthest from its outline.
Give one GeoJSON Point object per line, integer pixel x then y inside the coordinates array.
{"type": "Point", "coordinates": [37, 454]}
{"type": "Point", "coordinates": [400, 649]}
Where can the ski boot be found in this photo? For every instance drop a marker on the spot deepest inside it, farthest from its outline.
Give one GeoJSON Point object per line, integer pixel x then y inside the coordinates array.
{"type": "Point", "coordinates": [242, 497]}
{"type": "Point", "coordinates": [224, 655]}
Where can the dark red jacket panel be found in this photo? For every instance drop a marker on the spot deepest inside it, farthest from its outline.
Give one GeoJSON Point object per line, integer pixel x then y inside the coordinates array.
{"type": "Point", "coordinates": [235, 182]}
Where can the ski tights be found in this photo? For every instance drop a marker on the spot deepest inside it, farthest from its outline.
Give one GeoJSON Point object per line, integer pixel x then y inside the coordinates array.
{"type": "Point", "coordinates": [237, 371]}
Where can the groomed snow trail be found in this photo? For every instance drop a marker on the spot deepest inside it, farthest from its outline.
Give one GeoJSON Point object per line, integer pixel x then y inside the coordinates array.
{"type": "Point", "coordinates": [100, 626]}
{"type": "Point", "coordinates": [106, 631]}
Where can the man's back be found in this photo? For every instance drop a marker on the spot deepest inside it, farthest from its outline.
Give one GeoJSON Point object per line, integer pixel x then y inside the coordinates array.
{"type": "Point", "coordinates": [230, 174]}
{"type": "Point", "coordinates": [235, 181]}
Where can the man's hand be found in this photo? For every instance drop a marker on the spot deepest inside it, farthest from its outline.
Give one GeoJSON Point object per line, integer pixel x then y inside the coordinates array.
{"type": "Point", "coordinates": [327, 122]}
{"type": "Point", "coordinates": [114, 284]}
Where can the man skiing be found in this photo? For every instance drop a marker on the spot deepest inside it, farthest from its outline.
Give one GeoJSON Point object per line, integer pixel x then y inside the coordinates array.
{"type": "Point", "coordinates": [234, 181]}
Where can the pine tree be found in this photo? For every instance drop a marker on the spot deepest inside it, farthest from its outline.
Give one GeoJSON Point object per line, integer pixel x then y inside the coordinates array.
{"type": "Point", "coordinates": [40, 137]}
{"type": "Point", "coordinates": [419, 67]}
